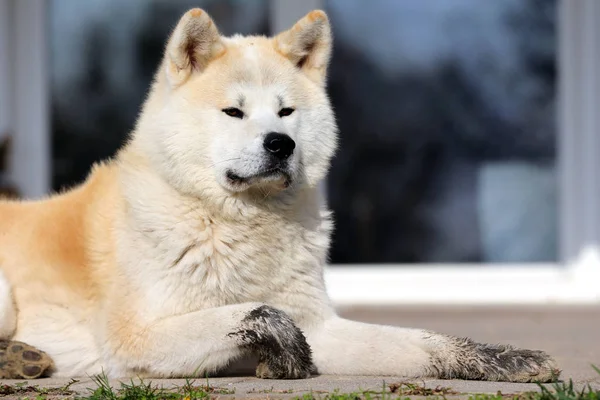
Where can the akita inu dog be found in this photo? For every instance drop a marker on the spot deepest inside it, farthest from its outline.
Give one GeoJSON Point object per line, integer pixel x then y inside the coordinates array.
{"type": "Point", "coordinates": [204, 239]}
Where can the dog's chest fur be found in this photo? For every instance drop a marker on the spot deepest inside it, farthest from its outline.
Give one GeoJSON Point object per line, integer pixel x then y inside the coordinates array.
{"type": "Point", "coordinates": [186, 259]}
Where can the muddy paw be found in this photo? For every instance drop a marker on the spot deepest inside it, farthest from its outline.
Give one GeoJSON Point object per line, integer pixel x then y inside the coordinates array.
{"type": "Point", "coordinates": [519, 365]}
{"type": "Point", "coordinates": [462, 358]}
{"type": "Point", "coordinates": [21, 361]}
{"type": "Point", "coordinates": [280, 345]}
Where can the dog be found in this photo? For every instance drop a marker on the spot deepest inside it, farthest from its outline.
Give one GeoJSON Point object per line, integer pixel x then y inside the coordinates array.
{"type": "Point", "coordinates": [203, 240]}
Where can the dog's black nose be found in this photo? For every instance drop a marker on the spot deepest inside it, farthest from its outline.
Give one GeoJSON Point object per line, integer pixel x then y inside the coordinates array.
{"type": "Point", "coordinates": [280, 145]}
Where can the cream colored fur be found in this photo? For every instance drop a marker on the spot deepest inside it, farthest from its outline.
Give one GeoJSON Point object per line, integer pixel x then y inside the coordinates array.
{"type": "Point", "coordinates": [149, 265]}
{"type": "Point", "coordinates": [8, 316]}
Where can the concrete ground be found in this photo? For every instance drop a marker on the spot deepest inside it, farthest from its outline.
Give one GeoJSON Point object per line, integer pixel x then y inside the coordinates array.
{"type": "Point", "coordinates": [571, 334]}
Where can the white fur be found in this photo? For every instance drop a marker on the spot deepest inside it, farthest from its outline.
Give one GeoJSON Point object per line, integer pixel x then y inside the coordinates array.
{"type": "Point", "coordinates": [8, 314]}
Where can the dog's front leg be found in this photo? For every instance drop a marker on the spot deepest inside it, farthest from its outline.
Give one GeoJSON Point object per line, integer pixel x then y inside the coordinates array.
{"type": "Point", "coordinates": [207, 340]}
{"type": "Point", "coordinates": [346, 347]}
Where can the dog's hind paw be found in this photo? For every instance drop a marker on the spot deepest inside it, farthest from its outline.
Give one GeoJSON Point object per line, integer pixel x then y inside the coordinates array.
{"type": "Point", "coordinates": [21, 361]}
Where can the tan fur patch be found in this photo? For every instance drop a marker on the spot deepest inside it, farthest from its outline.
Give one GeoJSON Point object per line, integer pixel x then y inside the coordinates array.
{"type": "Point", "coordinates": [316, 14]}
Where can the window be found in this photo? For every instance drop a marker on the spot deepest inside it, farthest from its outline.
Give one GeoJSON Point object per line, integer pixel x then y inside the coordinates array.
{"type": "Point", "coordinates": [447, 118]}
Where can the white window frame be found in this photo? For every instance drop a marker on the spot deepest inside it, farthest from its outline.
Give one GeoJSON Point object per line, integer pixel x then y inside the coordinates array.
{"type": "Point", "coordinates": [574, 280]}
{"type": "Point", "coordinates": [24, 93]}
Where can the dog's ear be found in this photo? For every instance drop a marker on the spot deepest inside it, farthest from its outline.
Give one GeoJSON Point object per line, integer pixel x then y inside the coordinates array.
{"type": "Point", "coordinates": [195, 41]}
{"type": "Point", "coordinates": [308, 45]}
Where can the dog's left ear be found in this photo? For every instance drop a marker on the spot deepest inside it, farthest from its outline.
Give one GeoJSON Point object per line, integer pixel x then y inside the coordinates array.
{"type": "Point", "coordinates": [308, 45]}
{"type": "Point", "coordinates": [195, 41]}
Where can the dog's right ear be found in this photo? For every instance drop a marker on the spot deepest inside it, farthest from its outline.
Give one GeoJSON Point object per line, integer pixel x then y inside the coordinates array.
{"type": "Point", "coordinates": [195, 41]}
{"type": "Point", "coordinates": [308, 45]}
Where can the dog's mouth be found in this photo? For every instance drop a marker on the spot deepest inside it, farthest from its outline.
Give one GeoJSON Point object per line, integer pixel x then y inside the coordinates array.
{"type": "Point", "coordinates": [270, 174]}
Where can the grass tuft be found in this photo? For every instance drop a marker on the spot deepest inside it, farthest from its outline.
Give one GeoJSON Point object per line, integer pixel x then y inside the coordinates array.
{"type": "Point", "coordinates": [146, 391]}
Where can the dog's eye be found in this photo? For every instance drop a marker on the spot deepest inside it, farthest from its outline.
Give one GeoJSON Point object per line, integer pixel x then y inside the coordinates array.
{"type": "Point", "coordinates": [234, 112]}
{"type": "Point", "coordinates": [284, 112]}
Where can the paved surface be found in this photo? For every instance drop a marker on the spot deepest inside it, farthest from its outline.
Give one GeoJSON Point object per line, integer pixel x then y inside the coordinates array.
{"type": "Point", "coordinates": [571, 334]}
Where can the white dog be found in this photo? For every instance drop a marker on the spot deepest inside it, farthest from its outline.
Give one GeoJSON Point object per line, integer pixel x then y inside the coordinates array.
{"type": "Point", "coordinates": [203, 240]}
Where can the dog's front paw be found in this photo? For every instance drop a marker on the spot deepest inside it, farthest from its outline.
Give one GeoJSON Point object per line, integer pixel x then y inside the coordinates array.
{"type": "Point", "coordinates": [280, 345]}
{"type": "Point", "coordinates": [520, 365]}
{"type": "Point", "coordinates": [21, 361]}
{"type": "Point", "coordinates": [463, 358]}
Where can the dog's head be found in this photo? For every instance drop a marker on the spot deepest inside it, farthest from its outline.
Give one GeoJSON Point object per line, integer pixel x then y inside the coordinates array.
{"type": "Point", "coordinates": [243, 112]}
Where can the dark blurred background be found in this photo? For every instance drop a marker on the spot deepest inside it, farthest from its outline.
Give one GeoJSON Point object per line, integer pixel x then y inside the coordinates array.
{"type": "Point", "coordinates": [446, 110]}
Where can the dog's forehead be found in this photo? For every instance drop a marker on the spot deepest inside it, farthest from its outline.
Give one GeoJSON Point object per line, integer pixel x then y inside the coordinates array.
{"type": "Point", "coordinates": [254, 60]}
{"type": "Point", "coordinates": [249, 71]}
